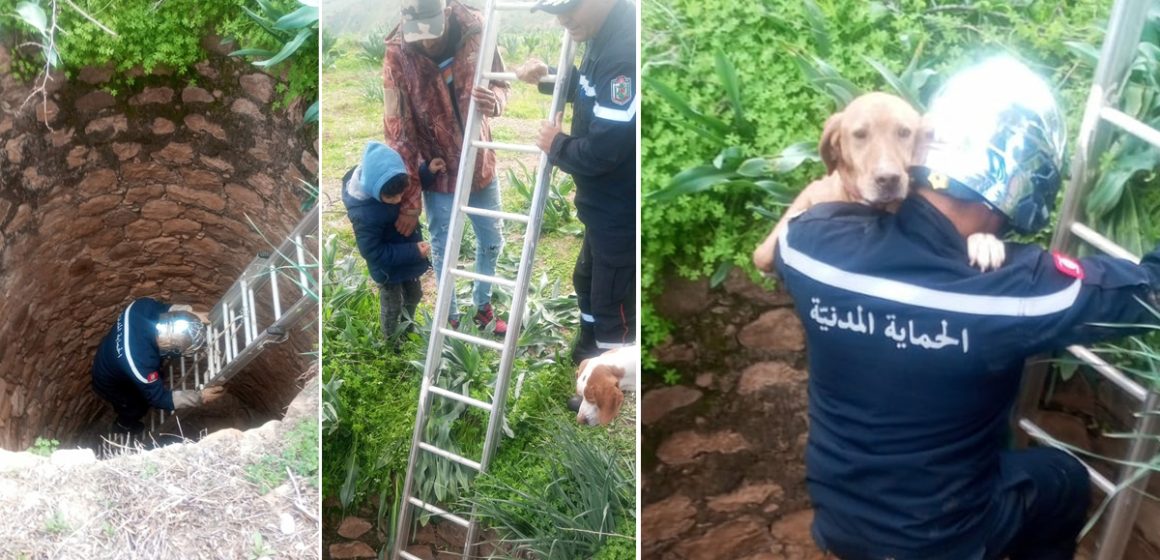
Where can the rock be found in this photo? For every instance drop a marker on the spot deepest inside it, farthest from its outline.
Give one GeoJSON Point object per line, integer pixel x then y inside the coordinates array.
{"type": "Point", "coordinates": [748, 495]}
{"type": "Point", "coordinates": [94, 101]}
{"type": "Point", "coordinates": [126, 150]}
{"type": "Point", "coordinates": [667, 519]}
{"type": "Point", "coordinates": [423, 552]}
{"type": "Point", "coordinates": [704, 380]}
{"type": "Point", "coordinates": [794, 528]}
{"type": "Point", "coordinates": [96, 74]}
{"type": "Point", "coordinates": [72, 457]}
{"type": "Point", "coordinates": [77, 157]}
{"type": "Point", "coordinates": [310, 163]}
{"type": "Point", "coordinates": [160, 210]}
{"type": "Point", "coordinates": [46, 111]}
{"type": "Point", "coordinates": [98, 205]}
{"type": "Point", "coordinates": [684, 447]}
{"type": "Point", "coordinates": [778, 330]}
{"type": "Point", "coordinates": [112, 125]}
{"type": "Point", "coordinates": [659, 402]}
{"type": "Point", "coordinates": [729, 540]}
{"type": "Point", "coordinates": [194, 94]}
{"type": "Point", "coordinates": [739, 284]}
{"type": "Point", "coordinates": [258, 86]}
{"type": "Point", "coordinates": [286, 523]}
{"type": "Point", "coordinates": [204, 198]}
{"type": "Point", "coordinates": [153, 96]}
{"type": "Point", "coordinates": [198, 123]}
{"type": "Point", "coordinates": [759, 376]}
{"type": "Point", "coordinates": [206, 69]}
{"type": "Point", "coordinates": [216, 164]}
{"type": "Point", "coordinates": [354, 549]}
{"type": "Point", "coordinates": [682, 298]}
{"type": "Point", "coordinates": [175, 153]}
{"type": "Point", "coordinates": [669, 354]}
{"type": "Point", "coordinates": [14, 149]}
{"type": "Point", "coordinates": [163, 126]}
{"type": "Point", "coordinates": [353, 527]}
{"type": "Point", "coordinates": [247, 108]}
{"type": "Point", "coordinates": [245, 197]}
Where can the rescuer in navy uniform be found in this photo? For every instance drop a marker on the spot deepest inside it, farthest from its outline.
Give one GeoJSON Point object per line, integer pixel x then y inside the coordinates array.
{"type": "Point", "coordinates": [600, 154]}
{"type": "Point", "coordinates": [127, 368]}
{"type": "Point", "coordinates": [915, 357]}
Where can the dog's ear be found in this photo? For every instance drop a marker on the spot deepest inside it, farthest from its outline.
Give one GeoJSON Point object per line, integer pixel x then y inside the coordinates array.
{"type": "Point", "coordinates": [617, 372]}
{"type": "Point", "coordinates": [583, 364]}
{"type": "Point", "coordinates": [922, 142]}
{"type": "Point", "coordinates": [829, 146]}
{"type": "Point", "coordinates": [602, 391]}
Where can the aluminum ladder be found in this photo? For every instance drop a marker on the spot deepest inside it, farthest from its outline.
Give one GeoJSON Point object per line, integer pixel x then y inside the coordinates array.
{"type": "Point", "coordinates": [519, 286]}
{"type": "Point", "coordinates": [1100, 115]}
{"type": "Point", "coordinates": [253, 313]}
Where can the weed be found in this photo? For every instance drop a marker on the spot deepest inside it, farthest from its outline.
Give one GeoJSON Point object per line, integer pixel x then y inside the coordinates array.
{"type": "Point", "coordinates": [260, 550]}
{"type": "Point", "coordinates": [57, 524]}
{"type": "Point", "coordinates": [44, 447]}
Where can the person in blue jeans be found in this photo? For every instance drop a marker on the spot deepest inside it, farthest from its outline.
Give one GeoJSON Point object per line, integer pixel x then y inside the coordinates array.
{"type": "Point", "coordinates": [488, 244]}
{"type": "Point", "coordinates": [371, 192]}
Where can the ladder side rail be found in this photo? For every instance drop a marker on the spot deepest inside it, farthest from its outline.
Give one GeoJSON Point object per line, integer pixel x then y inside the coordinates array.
{"type": "Point", "coordinates": [523, 277]}
{"type": "Point", "coordinates": [463, 181]}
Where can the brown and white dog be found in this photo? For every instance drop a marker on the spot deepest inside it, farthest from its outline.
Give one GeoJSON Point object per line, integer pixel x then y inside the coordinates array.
{"type": "Point", "coordinates": [867, 149]}
{"type": "Point", "coordinates": [603, 380]}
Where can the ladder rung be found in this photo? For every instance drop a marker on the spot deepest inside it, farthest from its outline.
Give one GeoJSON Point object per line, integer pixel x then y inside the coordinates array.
{"type": "Point", "coordinates": [408, 555]}
{"type": "Point", "coordinates": [1041, 436]}
{"type": "Point", "coordinates": [514, 5]}
{"type": "Point", "coordinates": [498, 214]}
{"type": "Point", "coordinates": [450, 456]}
{"type": "Point", "coordinates": [483, 277]}
{"type": "Point", "coordinates": [440, 512]}
{"type": "Point", "coordinates": [1110, 372]}
{"type": "Point", "coordinates": [1095, 239]}
{"type": "Point", "coordinates": [511, 77]}
{"type": "Point", "coordinates": [472, 339]}
{"type": "Point", "coordinates": [460, 397]}
{"type": "Point", "coordinates": [525, 148]}
{"type": "Point", "coordinates": [1132, 126]}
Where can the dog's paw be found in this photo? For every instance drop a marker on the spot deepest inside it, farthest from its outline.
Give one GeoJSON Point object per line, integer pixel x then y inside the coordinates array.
{"type": "Point", "coordinates": [987, 252]}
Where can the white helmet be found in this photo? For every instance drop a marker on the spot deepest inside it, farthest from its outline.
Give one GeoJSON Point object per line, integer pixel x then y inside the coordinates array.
{"type": "Point", "coordinates": [180, 333]}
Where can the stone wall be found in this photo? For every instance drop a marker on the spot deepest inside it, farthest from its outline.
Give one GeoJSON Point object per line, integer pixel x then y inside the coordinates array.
{"type": "Point", "coordinates": [112, 193]}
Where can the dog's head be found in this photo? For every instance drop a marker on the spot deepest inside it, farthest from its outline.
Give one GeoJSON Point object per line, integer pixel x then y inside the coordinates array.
{"type": "Point", "coordinates": [602, 394]}
{"type": "Point", "coordinates": [871, 143]}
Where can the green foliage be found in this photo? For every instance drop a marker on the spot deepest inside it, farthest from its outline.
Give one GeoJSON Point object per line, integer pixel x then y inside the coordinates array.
{"type": "Point", "coordinates": [299, 456]}
{"type": "Point", "coordinates": [798, 61]}
{"type": "Point", "coordinates": [558, 215]}
{"type": "Point", "coordinates": [587, 500]}
{"type": "Point", "coordinates": [44, 447]}
{"type": "Point", "coordinates": [291, 35]}
{"type": "Point", "coordinates": [57, 524]}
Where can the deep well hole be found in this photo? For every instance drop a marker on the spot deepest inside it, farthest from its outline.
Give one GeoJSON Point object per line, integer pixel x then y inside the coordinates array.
{"type": "Point", "coordinates": [149, 192]}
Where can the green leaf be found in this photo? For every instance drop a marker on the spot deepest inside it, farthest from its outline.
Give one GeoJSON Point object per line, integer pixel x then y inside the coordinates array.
{"type": "Point", "coordinates": [732, 83]}
{"type": "Point", "coordinates": [34, 16]}
{"type": "Point", "coordinates": [287, 50]}
{"type": "Point", "coordinates": [817, 22]}
{"type": "Point", "coordinates": [311, 115]}
{"type": "Point", "coordinates": [1110, 186]}
{"type": "Point", "coordinates": [714, 126]}
{"type": "Point", "coordinates": [691, 181]}
{"type": "Point", "coordinates": [303, 17]}
{"type": "Point", "coordinates": [793, 156]}
{"type": "Point", "coordinates": [753, 167]}
{"type": "Point", "coordinates": [252, 52]}
{"type": "Point", "coordinates": [1088, 54]}
{"type": "Point", "coordinates": [720, 274]}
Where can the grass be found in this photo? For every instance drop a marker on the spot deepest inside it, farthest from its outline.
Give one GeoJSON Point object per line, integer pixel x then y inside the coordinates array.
{"type": "Point", "coordinates": [300, 457]}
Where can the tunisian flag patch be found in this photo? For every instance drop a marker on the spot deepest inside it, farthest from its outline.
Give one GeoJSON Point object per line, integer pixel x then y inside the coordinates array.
{"type": "Point", "coordinates": [621, 89]}
{"type": "Point", "coordinates": [152, 377]}
{"type": "Point", "coordinates": [1068, 266]}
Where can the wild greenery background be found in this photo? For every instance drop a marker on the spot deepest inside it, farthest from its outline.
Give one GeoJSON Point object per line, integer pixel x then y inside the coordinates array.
{"type": "Point", "coordinates": [782, 62]}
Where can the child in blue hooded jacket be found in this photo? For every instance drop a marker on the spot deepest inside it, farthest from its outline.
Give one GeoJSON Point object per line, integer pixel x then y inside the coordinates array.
{"type": "Point", "coordinates": [371, 192]}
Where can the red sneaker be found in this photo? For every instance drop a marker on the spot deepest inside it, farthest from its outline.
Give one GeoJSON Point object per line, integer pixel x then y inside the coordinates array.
{"type": "Point", "coordinates": [485, 315]}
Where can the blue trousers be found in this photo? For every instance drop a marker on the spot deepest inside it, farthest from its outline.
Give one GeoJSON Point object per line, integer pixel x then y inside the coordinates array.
{"type": "Point", "coordinates": [488, 237]}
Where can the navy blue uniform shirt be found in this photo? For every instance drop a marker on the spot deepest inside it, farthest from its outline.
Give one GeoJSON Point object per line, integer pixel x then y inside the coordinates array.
{"type": "Point", "coordinates": [391, 256]}
{"type": "Point", "coordinates": [600, 153]}
{"type": "Point", "coordinates": [128, 358]}
{"type": "Point", "coordinates": [915, 361]}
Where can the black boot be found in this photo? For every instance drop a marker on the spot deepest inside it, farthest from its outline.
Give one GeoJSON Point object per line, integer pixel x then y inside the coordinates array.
{"type": "Point", "coordinates": [584, 346]}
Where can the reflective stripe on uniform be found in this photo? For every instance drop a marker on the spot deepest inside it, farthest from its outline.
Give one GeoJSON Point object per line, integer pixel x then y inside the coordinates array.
{"type": "Point", "coordinates": [128, 352]}
{"type": "Point", "coordinates": [911, 294]}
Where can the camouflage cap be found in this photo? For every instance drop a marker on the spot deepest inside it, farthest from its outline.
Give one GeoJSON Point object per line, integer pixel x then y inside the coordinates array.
{"type": "Point", "coordinates": [423, 19]}
{"type": "Point", "coordinates": [556, 7]}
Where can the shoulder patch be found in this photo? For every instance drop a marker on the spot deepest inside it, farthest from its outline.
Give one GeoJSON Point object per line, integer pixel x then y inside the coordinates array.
{"type": "Point", "coordinates": [1067, 265]}
{"type": "Point", "coordinates": [621, 89]}
{"type": "Point", "coordinates": [152, 377]}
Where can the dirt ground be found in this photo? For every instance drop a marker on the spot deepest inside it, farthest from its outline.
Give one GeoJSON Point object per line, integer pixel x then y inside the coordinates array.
{"type": "Point", "coordinates": [722, 453]}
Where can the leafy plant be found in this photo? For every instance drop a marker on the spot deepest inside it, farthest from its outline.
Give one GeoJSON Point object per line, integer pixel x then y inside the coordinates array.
{"type": "Point", "coordinates": [557, 215]}
{"type": "Point", "coordinates": [588, 498]}
{"type": "Point", "coordinates": [294, 33]}
{"type": "Point", "coordinates": [44, 447]}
